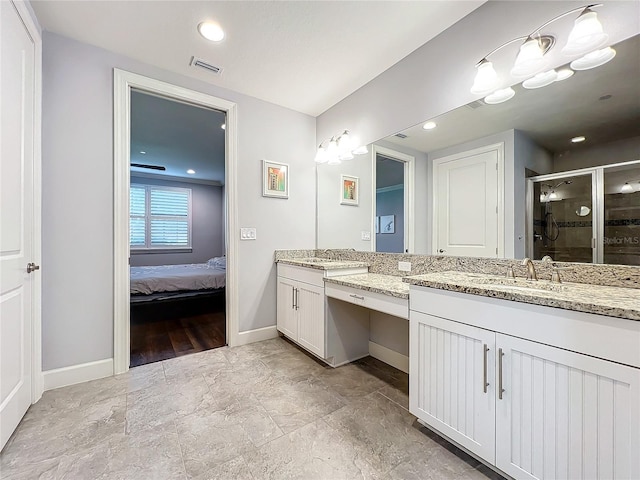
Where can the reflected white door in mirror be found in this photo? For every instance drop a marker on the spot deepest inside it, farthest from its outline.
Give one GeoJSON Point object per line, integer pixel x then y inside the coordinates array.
{"type": "Point", "coordinates": [468, 207]}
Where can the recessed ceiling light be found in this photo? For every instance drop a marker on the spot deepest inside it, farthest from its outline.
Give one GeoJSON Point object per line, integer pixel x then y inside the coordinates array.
{"type": "Point", "coordinates": [223, 126]}
{"type": "Point", "coordinates": [191, 171]}
{"type": "Point", "coordinates": [143, 153]}
{"type": "Point", "coordinates": [211, 31]}
{"type": "Point", "coordinates": [564, 74]}
{"type": "Point", "coordinates": [429, 125]}
{"type": "Point", "coordinates": [578, 139]}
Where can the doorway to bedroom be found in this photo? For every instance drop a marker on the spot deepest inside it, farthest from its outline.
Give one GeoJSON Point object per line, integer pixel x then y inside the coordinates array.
{"type": "Point", "coordinates": [177, 223]}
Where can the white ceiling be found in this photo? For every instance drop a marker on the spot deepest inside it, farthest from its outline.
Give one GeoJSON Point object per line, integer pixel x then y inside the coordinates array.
{"type": "Point", "coordinates": [177, 136]}
{"type": "Point", "coordinates": [550, 115]}
{"type": "Point", "coordinates": [306, 56]}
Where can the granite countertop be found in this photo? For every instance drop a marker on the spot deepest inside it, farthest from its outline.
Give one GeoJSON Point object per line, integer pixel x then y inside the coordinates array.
{"type": "Point", "coordinates": [611, 301]}
{"type": "Point", "coordinates": [320, 263]}
{"type": "Point", "coordinates": [374, 282]}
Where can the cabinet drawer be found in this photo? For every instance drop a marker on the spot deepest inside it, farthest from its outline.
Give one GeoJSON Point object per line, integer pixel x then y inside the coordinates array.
{"type": "Point", "coordinates": [398, 307]}
{"type": "Point", "coordinates": [302, 274]}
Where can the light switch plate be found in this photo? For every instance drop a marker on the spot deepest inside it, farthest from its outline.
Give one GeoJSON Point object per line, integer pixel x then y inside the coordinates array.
{"type": "Point", "coordinates": [404, 266]}
{"type": "Point", "coordinates": [366, 235]}
{"type": "Point", "coordinates": [247, 234]}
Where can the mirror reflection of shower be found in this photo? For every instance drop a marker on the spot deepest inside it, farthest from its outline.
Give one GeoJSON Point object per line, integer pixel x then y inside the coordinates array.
{"type": "Point", "coordinates": [550, 229]}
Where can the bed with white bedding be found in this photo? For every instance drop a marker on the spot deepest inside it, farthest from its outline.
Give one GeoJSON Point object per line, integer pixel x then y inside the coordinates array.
{"type": "Point", "coordinates": [162, 281]}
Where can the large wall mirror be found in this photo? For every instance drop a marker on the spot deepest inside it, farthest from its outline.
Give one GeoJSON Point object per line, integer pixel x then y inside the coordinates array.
{"type": "Point", "coordinates": [507, 180]}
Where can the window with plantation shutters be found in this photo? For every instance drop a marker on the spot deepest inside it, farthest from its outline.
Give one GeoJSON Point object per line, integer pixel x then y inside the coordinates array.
{"type": "Point", "coordinates": [159, 217]}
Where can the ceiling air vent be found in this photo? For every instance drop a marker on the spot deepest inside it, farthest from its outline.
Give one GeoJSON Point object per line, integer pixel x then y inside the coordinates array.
{"type": "Point", "coordinates": [400, 135]}
{"type": "Point", "coordinates": [476, 104]}
{"type": "Point", "coordinates": [198, 62]}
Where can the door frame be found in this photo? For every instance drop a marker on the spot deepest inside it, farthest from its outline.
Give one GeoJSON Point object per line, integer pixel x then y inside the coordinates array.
{"type": "Point", "coordinates": [409, 197]}
{"type": "Point", "coordinates": [37, 379]}
{"type": "Point", "coordinates": [123, 82]}
{"type": "Point", "coordinates": [497, 147]}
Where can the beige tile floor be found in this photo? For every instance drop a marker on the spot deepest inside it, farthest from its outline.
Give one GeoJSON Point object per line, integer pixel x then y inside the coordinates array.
{"type": "Point", "coordinates": [261, 411]}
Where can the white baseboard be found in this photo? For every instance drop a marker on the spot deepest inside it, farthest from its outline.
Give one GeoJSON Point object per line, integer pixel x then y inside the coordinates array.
{"type": "Point", "coordinates": [257, 335]}
{"type": "Point", "coordinates": [63, 377]}
{"type": "Point", "coordinates": [388, 356]}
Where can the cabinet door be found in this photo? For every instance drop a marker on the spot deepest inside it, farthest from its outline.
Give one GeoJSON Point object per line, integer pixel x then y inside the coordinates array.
{"type": "Point", "coordinates": [311, 321]}
{"type": "Point", "coordinates": [287, 320]}
{"type": "Point", "coordinates": [565, 415]}
{"type": "Point", "coordinates": [449, 362]}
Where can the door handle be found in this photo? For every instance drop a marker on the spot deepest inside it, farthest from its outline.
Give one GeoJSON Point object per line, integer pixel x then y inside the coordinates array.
{"type": "Point", "coordinates": [500, 389]}
{"type": "Point", "coordinates": [297, 292]}
{"type": "Point", "coordinates": [441, 251]}
{"type": "Point", "coordinates": [484, 369]}
{"type": "Point", "coordinates": [293, 298]}
{"type": "Point", "coordinates": [32, 267]}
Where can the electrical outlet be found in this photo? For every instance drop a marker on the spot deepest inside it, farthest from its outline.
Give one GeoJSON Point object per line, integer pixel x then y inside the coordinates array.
{"type": "Point", "coordinates": [404, 266]}
{"type": "Point", "coordinates": [247, 234]}
{"type": "Point", "coordinates": [366, 235]}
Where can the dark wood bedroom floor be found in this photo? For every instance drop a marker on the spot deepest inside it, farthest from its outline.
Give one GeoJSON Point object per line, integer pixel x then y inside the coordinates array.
{"type": "Point", "coordinates": [162, 332]}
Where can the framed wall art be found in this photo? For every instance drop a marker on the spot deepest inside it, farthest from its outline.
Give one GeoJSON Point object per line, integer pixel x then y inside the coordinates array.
{"type": "Point", "coordinates": [349, 190]}
{"type": "Point", "coordinates": [275, 179]}
{"type": "Point", "coordinates": [388, 224]}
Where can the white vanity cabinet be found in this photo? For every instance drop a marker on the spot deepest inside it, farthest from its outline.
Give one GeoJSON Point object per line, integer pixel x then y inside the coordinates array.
{"type": "Point", "coordinates": [300, 308]}
{"type": "Point", "coordinates": [521, 386]}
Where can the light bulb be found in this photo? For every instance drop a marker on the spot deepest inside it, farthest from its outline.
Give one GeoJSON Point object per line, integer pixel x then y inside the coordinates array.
{"type": "Point", "coordinates": [361, 150]}
{"type": "Point", "coordinates": [594, 59]}
{"type": "Point", "coordinates": [211, 31]}
{"type": "Point", "coordinates": [553, 196]}
{"type": "Point", "coordinates": [579, 139]}
{"type": "Point", "coordinates": [321, 155]}
{"type": "Point", "coordinates": [486, 79]}
{"type": "Point", "coordinates": [344, 141]}
{"type": "Point", "coordinates": [564, 74]}
{"type": "Point", "coordinates": [626, 188]}
{"type": "Point", "coordinates": [586, 35]}
{"type": "Point", "coordinates": [346, 155]}
{"type": "Point", "coordinates": [500, 96]}
{"type": "Point", "coordinates": [530, 59]}
{"type": "Point", "coordinates": [191, 171]}
{"type": "Point", "coordinates": [541, 80]}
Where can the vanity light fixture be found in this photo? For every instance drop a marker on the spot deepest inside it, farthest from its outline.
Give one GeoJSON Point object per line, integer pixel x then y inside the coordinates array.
{"type": "Point", "coordinates": [191, 171]}
{"type": "Point", "coordinates": [339, 148]}
{"type": "Point", "coordinates": [564, 74]}
{"type": "Point", "coordinates": [578, 139]}
{"type": "Point", "coordinates": [626, 188]}
{"type": "Point", "coordinates": [211, 31]}
{"type": "Point", "coordinates": [429, 126]}
{"type": "Point", "coordinates": [586, 38]}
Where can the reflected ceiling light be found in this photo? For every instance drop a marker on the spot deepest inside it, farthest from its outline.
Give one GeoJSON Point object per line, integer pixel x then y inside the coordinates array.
{"type": "Point", "coordinates": [429, 125]}
{"type": "Point", "coordinates": [211, 31]}
{"type": "Point", "coordinates": [486, 79]}
{"type": "Point", "coordinates": [564, 74]}
{"type": "Point", "coordinates": [191, 171]}
{"type": "Point", "coordinates": [223, 126]}
{"type": "Point", "coordinates": [587, 34]}
{"type": "Point", "coordinates": [530, 59]}
{"type": "Point", "coordinates": [339, 148]}
{"type": "Point", "coordinates": [594, 59]}
{"type": "Point", "coordinates": [500, 96]}
{"type": "Point", "coordinates": [626, 188]}
{"type": "Point", "coordinates": [143, 153]}
{"type": "Point", "coordinates": [578, 139]}
{"type": "Point", "coordinates": [554, 197]}
{"type": "Point", "coordinates": [541, 80]}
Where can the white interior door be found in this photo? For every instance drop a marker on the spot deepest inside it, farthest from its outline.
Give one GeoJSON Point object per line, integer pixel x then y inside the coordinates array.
{"type": "Point", "coordinates": [17, 91]}
{"type": "Point", "coordinates": [466, 196]}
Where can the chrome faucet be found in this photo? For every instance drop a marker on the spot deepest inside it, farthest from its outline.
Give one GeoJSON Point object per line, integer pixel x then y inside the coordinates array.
{"type": "Point", "coordinates": [531, 269]}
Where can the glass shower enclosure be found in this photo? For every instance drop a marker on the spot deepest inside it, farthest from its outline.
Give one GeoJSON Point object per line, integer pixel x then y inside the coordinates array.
{"type": "Point", "coordinates": [590, 215]}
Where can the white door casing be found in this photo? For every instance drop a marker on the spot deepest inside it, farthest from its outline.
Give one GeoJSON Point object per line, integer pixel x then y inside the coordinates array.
{"type": "Point", "coordinates": [20, 350]}
{"type": "Point", "coordinates": [409, 195]}
{"type": "Point", "coordinates": [123, 82]}
{"type": "Point", "coordinates": [468, 205]}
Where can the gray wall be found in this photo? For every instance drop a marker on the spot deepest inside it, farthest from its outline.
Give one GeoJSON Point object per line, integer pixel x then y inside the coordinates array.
{"type": "Point", "coordinates": [391, 203]}
{"type": "Point", "coordinates": [207, 226]}
{"type": "Point", "coordinates": [593, 156]}
{"type": "Point", "coordinates": [77, 136]}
